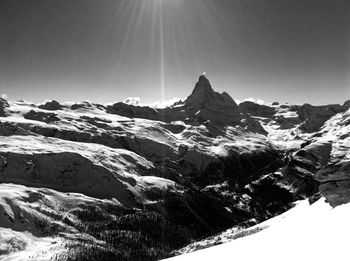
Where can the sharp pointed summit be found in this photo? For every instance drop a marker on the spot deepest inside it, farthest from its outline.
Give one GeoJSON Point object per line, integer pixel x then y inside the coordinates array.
{"type": "Point", "coordinates": [207, 104]}
{"type": "Point", "coordinates": [203, 85]}
{"type": "Point", "coordinates": [204, 104]}
{"type": "Point", "coordinates": [204, 95]}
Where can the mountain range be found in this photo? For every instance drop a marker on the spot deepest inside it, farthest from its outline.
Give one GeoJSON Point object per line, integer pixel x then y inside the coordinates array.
{"type": "Point", "coordinates": [89, 181]}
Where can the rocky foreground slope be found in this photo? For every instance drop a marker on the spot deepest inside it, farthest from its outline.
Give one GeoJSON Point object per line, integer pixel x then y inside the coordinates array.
{"type": "Point", "coordinates": [102, 182]}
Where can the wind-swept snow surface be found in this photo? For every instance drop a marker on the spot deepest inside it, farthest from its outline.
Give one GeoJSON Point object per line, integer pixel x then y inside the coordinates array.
{"type": "Point", "coordinates": [306, 232]}
{"type": "Point", "coordinates": [21, 246]}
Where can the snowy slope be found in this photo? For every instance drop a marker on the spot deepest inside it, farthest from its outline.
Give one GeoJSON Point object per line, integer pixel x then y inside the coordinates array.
{"type": "Point", "coordinates": [316, 232]}
{"type": "Point", "coordinates": [26, 211]}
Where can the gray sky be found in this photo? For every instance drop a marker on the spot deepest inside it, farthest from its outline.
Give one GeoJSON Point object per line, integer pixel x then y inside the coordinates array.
{"type": "Point", "coordinates": [107, 50]}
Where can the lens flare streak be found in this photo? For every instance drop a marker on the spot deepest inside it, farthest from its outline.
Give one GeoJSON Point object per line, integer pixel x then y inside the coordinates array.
{"type": "Point", "coordinates": [162, 55]}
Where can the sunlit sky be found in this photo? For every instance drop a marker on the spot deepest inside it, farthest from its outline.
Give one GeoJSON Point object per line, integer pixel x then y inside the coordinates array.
{"type": "Point", "coordinates": [292, 51]}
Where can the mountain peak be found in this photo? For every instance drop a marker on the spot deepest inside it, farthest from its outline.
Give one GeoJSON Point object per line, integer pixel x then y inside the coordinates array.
{"type": "Point", "coordinates": [201, 92]}
{"type": "Point", "coordinates": [203, 78]}
{"type": "Point", "coordinates": [203, 85]}
{"type": "Point", "coordinates": [206, 104]}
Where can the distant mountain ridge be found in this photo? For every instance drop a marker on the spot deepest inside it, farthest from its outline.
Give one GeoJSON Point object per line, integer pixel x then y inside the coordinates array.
{"type": "Point", "coordinates": [203, 104]}
{"type": "Point", "coordinates": [103, 179]}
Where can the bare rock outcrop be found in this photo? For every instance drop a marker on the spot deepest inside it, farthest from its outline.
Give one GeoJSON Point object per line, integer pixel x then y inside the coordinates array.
{"type": "Point", "coordinates": [41, 116]}
{"type": "Point", "coordinates": [87, 106]}
{"type": "Point", "coordinates": [132, 111]}
{"type": "Point", "coordinates": [346, 105]}
{"type": "Point", "coordinates": [254, 109]}
{"type": "Point", "coordinates": [3, 105]}
{"type": "Point", "coordinates": [51, 106]}
{"type": "Point", "coordinates": [335, 183]}
{"type": "Point", "coordinates": [300, 171]}
{"type": "Point", "coordinates": [206, 104]}
{"type": "Point", "coordinates": [314, 117]}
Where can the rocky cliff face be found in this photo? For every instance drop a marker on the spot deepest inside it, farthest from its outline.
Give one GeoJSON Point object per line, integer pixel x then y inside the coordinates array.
{"type": "Point", "coordinates": [3, 105]}
{"type": "Point", "coordinates": [204, 104]}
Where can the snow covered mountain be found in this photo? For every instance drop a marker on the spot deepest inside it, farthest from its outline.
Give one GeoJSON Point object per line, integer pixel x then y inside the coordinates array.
{"type": "Point", "coordinates": [124, 182]}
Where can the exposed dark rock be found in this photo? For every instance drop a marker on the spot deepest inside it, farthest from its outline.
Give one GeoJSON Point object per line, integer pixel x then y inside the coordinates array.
{"type": "Point", "coordinates": [51, 106]}
{"type": "Point", "coordinates": [299, 174]}
{"type": "Point", "coordinates": [3, 162]}
{"type": "Point", "coordinates": [335, 183]}
{"type": "Point", "coordinates": [286, 123]}
{"type": "Point", "coordinates": [87, 105]}
{"type": "Point", "coordinates": [175, 128]}
{"type": "Point", "coordinates": [41, 116]}
{"type": "Point", "coordinates": [3, 105]}
{"type": "Point", "coordinates": [133, 111]}
{"type": "Point", "coordinates": [253, 126]}
{"type": "Point", "coordinates": [8, 129]}
{"type": "Point", "coordinates": [315, 116]}
{"type": "Point", "coordinates": [346, 105]}
{"type": "Point", "coordinates": [255, 109]}
{"type": "Point", "coordinates": [182, 150]}
{"type": "Point", "coordinates": [206, 104]}
{"type": "Point", "coordinates": [285, 106]}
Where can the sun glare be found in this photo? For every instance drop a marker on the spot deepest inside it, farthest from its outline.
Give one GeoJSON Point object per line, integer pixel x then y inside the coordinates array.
{"type": "Point", "coordinates": [162, 57]}
{"type": "Point", "coordinates": [173, 32]}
